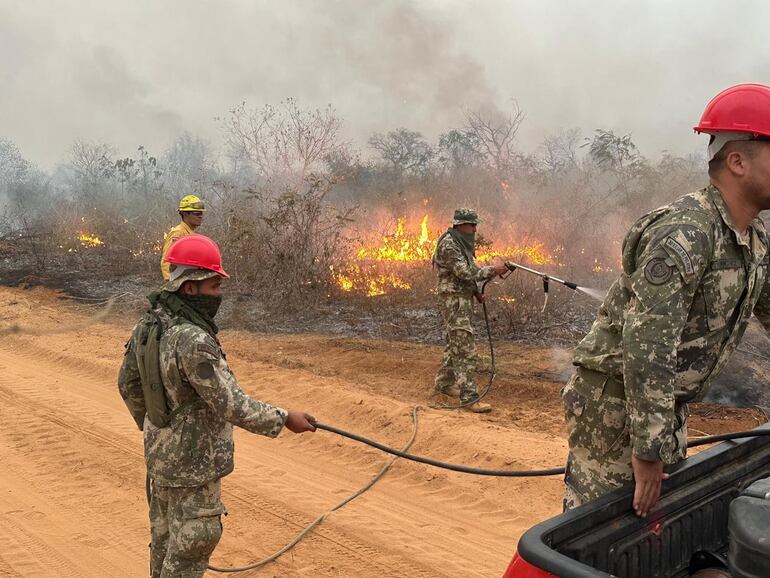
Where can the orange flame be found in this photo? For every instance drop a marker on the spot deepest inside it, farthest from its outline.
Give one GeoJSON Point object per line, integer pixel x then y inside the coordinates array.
{"type": "Point", "coordinates": [404, 248]}
{"type": "Point", "coordinates": [90, 240]}
{"type": "Point", "coordinates": [534, 252]}
{"type": "Point", "coordinates": [401, 246]}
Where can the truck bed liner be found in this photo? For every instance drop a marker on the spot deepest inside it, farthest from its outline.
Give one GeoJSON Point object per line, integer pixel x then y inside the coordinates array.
{"type": "Point", "coordinates": [605, 538]}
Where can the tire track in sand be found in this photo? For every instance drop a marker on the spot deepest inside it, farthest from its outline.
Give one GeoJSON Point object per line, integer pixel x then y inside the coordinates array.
{"type": "Point", "coordinates": [47, 415]}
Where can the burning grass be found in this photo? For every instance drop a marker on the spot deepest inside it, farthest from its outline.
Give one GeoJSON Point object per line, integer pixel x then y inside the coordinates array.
{"type": "Point", "coordinates": [90, 240]}
{"type": "Point", "coordinates": [392, 261]}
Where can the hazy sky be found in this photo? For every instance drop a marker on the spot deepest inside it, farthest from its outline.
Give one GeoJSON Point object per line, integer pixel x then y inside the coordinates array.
{"type": "Point", "coordinates": [140, 72]}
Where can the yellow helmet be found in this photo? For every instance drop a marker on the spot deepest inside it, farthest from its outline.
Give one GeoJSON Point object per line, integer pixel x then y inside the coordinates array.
{"type": "Point", "coordinates": [191, 203]}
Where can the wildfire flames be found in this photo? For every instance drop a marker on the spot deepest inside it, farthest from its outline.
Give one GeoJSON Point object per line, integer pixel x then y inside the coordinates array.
{"type": "Point", "coordinates": [401, 245]}
{"type": "Point", "coordinates": [90, 240]}
{"type": "Point", "coordinates": [379, 265]}
{"type": "Point", "coordinates": [373, 284]}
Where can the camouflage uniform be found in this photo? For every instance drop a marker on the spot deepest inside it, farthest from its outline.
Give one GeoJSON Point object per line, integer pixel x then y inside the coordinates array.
{"type": "Point", "coordinates": [666, 328]}
{"type": "Point", "coordinates": [187, 459]}
{"type": "Point", "coordinates": [457, 283]}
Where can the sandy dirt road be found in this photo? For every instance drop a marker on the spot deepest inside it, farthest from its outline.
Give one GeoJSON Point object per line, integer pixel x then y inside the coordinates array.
{"type": "Point", "coordinates": [72, 472]}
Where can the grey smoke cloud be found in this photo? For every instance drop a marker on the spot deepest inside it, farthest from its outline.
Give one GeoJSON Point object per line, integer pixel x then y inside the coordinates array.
{"type": "Point", "coordinates": [141, 72]}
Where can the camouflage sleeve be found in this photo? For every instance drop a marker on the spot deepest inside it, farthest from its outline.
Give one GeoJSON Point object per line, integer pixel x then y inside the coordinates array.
{"type": "Point", "coordinates": [762, 308]}
{"type": "Point", "coordinates": [207, 372]}
{"type": "Point", "coordinates": [130, 385]}
{"type": "Point", "coordinates": [668, 263]}
{"type": "Point", "coordinates": [451, 257]}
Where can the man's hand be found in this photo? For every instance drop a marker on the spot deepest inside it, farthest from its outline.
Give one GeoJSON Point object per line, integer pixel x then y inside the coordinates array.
{"type": "Point", "coordinates": [299, 421]}
{"type": "Point", "coordinates": [647, 479]}
{"type": "Point", "coordinates": [500, 269]}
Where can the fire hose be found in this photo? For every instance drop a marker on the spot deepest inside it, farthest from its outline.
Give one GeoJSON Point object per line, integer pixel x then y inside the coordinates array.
{"type": "Point", "coordinates": [403, 453]}
{"type": "Point", "coordinates": [275, 555]}
{"type": "Point", "coordinates": [439, 464]}
{"type": "Point", "coordinates": [691, 443]}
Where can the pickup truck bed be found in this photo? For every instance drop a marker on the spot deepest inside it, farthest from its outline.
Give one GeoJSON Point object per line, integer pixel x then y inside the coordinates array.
{"type": "Point", "coordinates": [605, 538]}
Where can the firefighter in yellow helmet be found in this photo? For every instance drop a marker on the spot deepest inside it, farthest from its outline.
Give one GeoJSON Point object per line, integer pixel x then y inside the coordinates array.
{"type": "Point", "coordinates": [191, 210]}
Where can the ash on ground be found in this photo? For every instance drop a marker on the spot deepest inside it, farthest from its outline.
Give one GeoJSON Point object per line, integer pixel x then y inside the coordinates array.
{"type": "Point", "coordinates": [743, 383]}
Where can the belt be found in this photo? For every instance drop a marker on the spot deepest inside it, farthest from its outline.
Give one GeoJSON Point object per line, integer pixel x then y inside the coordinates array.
{"type": "Point", "coordinates": [601, 383]}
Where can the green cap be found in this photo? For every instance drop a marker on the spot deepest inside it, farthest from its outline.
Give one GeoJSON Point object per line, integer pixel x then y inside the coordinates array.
{"type": "Point", "coordinates": [465, 215]}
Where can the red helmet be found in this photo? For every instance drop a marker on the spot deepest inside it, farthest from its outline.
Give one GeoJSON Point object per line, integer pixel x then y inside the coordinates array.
{"type": "Point", "coordinates": [740, 108]}
{"type": "Point", "coordinates": [197, 251]}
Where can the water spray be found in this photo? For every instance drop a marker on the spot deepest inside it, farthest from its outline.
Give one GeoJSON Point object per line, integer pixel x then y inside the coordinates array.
{"type": "Point", "coordinates": [593, 293]}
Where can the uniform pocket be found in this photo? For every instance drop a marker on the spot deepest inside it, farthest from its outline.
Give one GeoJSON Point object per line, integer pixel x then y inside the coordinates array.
{"type": "Point", "coordinates": [459, 311]}
{"type": "Point", "coordinates": [715, 310]}
{"type": "Point", "coordinates": [574, 406]}
{"type": "Point", "coordinates": [574, 401]}
{"type": "Point", "coordinates": [195, 434]}
{"type": "Point", "coordinates": [722, 291]}
{"type": "Point", "coordinates": [614, 423]}
{"type": "Point", "coordinates": [595, 420]}
{"type": "Point", "coordinates": [191, 511]}
{"type": "Point", "coordinates": [201, 529]}
{"type": "Point", "coordinates": [697, 319]}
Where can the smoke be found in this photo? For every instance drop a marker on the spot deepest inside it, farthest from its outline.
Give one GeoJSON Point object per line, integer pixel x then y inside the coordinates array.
{"type": "Point", "coordinates": [141, 72]}
{"type": "Point", "coordinates": [743, 381]}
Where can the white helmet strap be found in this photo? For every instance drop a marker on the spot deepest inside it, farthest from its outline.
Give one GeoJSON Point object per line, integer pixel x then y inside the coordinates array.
{"type": "Point", "coordinates": [720, 139]}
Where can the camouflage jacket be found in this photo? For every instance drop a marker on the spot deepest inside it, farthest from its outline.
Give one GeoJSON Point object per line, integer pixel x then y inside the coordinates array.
{"type": "Point", "coordinates": [455, 274]}
{"type": "Point", "coordinates": [668, 326]}
{"type": "Point", "coordinates": [197, 447]}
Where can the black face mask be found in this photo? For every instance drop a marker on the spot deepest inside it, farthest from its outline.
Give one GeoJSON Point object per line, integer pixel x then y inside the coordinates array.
{"type": "Point", "coordinates": [205, 304]}
{"type": "Point", "coordinates": [467, 242]}
{"type": "Point", "coordinates": [470, 241]}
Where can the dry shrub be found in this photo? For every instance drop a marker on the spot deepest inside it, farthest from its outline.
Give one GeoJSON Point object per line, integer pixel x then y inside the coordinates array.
{"type": "Point", "coordinates": [284, 245]}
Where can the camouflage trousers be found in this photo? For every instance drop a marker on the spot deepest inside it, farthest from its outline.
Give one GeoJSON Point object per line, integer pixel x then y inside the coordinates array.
{"type": "Point", "coordinates": [599, 459]}
{"type": "Point", "coordinates": [185, 526]}
{"type": "Point", "coordinates": [458, 363]}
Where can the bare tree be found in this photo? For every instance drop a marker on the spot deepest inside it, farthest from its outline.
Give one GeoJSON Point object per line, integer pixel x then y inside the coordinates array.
{"type": "Point", "coordinates": [495, 131]}
{"type": "Point", "coordinates": [13, 167]}
{"type": "Point", "coordinates": [90, 168]}
{"type": "Point", "coordinates": [458, 150]}
{"type": "Point", "coordinates": [283, 144]}
{"type": "Point", "coordinates": [406, 150]}
{"type": "Point", "coordinates": [559, 152]}
{"type": "Point", "coordinates": [188, 165]}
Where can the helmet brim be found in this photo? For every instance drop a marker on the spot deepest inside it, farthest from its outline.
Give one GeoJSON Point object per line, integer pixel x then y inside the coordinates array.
{"type": "Point", "coordinates": [193, 275]}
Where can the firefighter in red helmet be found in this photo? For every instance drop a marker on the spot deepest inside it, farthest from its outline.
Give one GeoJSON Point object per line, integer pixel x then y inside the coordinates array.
{"type": "Point", "coordinates": [181, 393]}
{"type": "Point", "coordinates": [693, 273]}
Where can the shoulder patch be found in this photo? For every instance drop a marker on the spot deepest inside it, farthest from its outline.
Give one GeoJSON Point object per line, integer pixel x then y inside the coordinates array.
{"type": "Point", "coordinates": [207, 349]}
{"type": "Point", "coordinates": [657, 271]}
{"type": "Point", "coordinates": [684, 256]}
{"type": "Point", "coordinates": [204, 370]}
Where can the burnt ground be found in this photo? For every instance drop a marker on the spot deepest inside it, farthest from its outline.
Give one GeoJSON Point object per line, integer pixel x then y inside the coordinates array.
{"type": "Point", "coordinates": [399, 317]}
